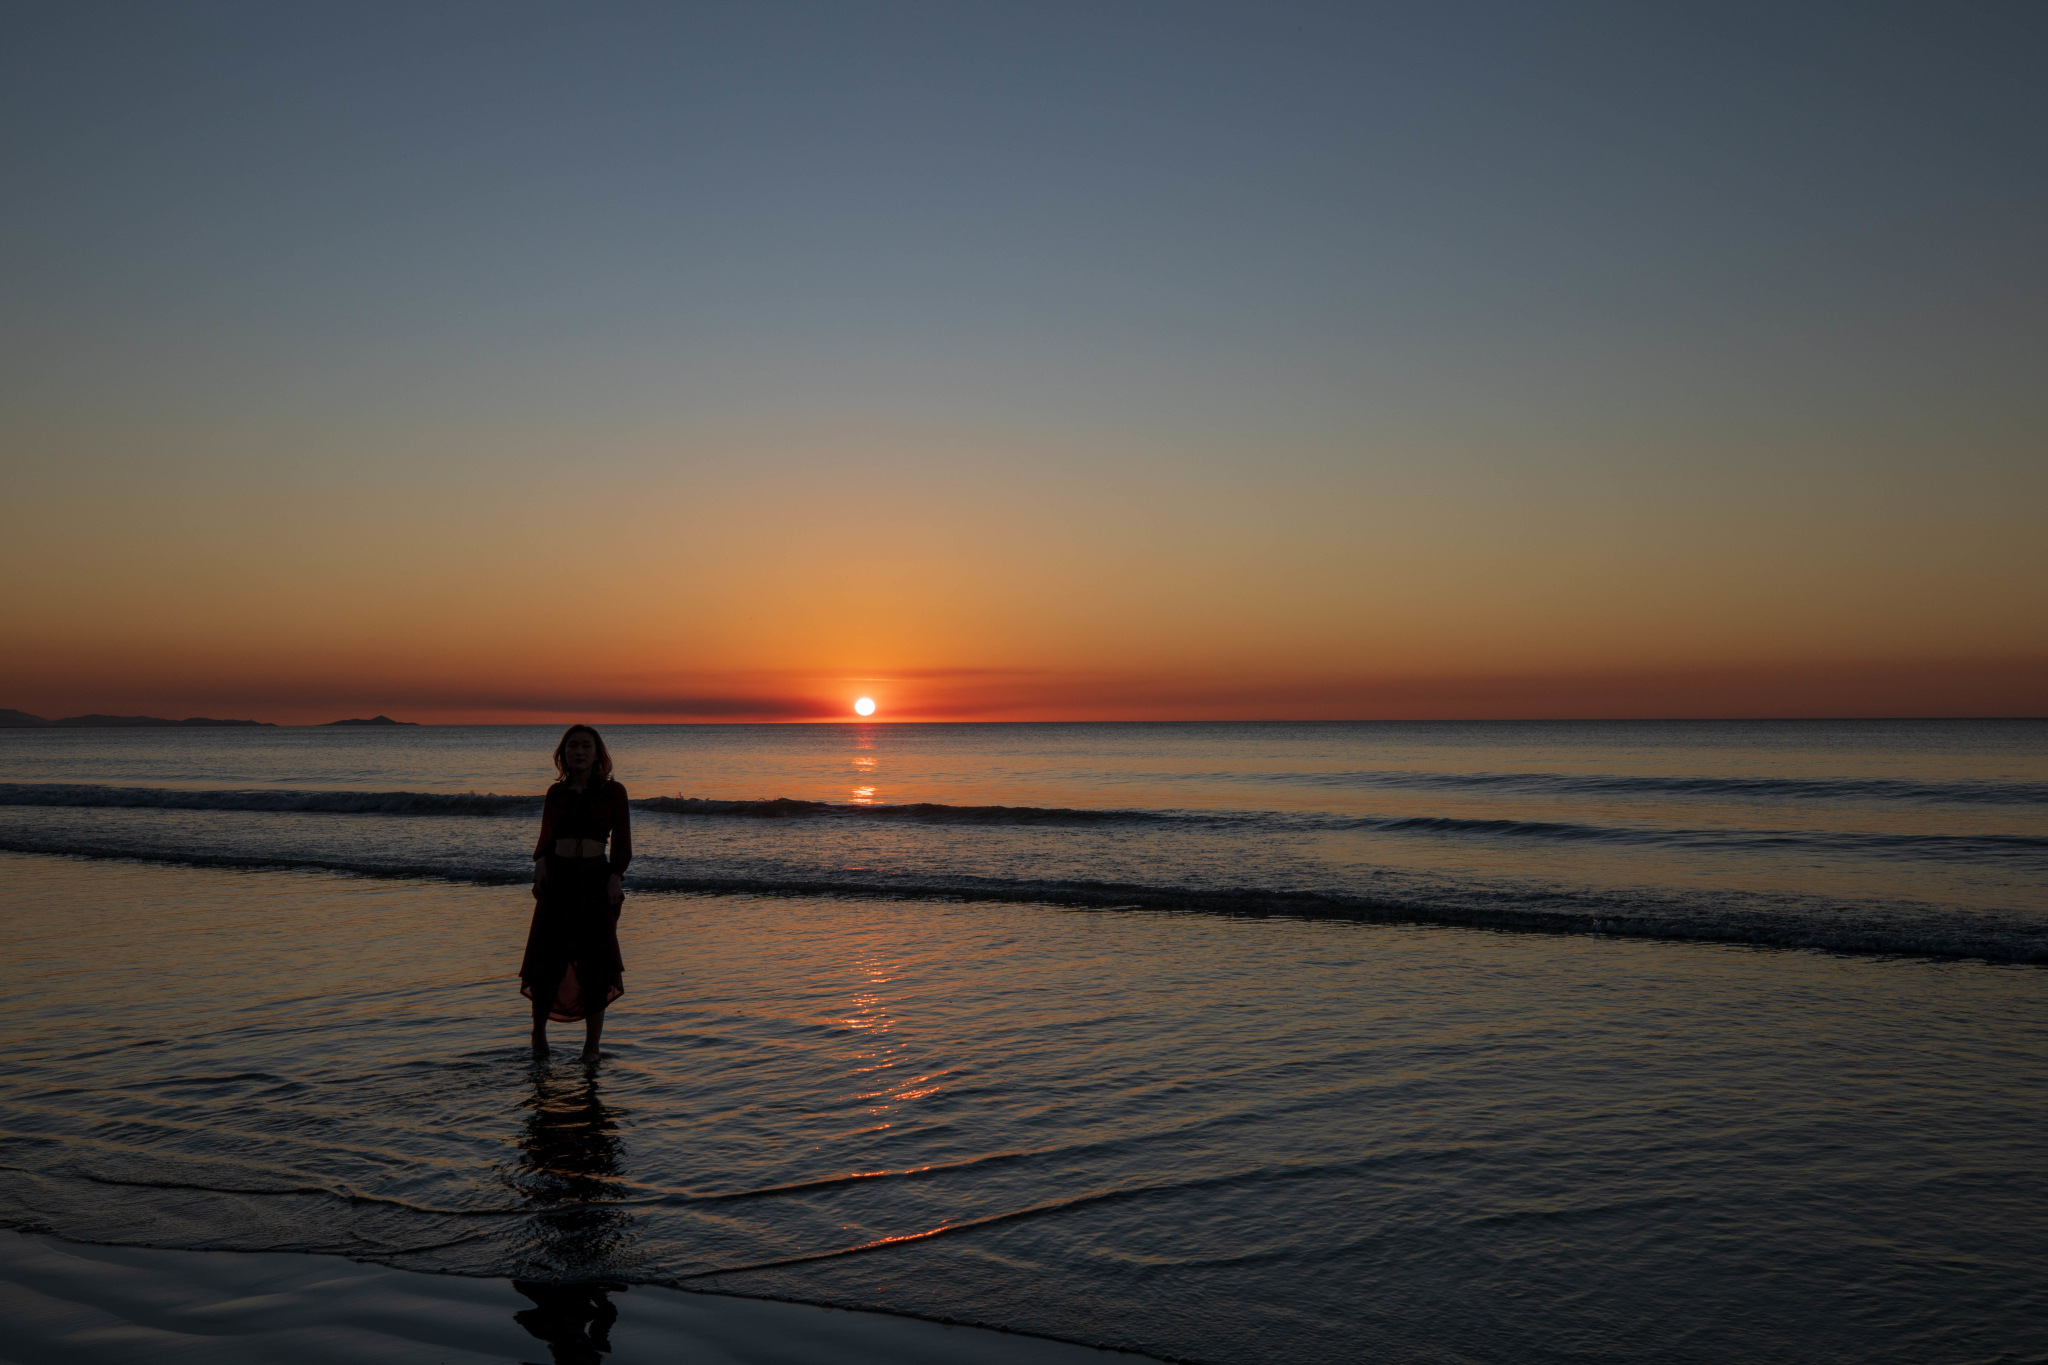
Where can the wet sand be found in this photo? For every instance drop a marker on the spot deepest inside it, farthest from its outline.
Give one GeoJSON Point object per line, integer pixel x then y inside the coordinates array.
{"type": "Point", "coordinates": [64, 1301]}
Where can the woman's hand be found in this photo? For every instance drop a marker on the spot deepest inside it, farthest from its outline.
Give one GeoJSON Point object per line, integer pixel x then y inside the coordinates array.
{"type": "Point", "coordinates": [615, 889]}
{"type": "Point", "coordinates": [540, 870]}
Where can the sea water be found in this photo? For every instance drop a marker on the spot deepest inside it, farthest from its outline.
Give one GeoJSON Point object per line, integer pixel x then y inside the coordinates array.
{"type": "Point", "coordinates": [1243, 1043]}
{"type": "Point", "coordinates": [1876, 836]}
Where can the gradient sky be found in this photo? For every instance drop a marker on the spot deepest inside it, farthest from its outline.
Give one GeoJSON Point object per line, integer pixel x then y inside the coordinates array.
{"type": "Point", "coordinates": [501, 361]}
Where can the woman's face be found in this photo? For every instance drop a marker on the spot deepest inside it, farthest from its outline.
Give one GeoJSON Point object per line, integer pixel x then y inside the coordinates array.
{"type": "Point", "coordinates": [578, 753]}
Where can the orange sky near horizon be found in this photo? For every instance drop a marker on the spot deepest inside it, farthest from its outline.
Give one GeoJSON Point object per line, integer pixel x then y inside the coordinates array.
{"type": "Point", "coordinates": [780, 585]}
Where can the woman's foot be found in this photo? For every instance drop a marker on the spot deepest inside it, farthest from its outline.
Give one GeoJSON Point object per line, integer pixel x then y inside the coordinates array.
{"type": "Point", "coordinates": [590, 1056]}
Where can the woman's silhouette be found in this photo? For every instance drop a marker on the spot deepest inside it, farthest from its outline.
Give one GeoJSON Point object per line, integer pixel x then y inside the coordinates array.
{"type": "Point", "coordinates": [572, 968]}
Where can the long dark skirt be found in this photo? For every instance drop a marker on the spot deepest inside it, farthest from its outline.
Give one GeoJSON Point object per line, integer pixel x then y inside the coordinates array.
{"type": "Point", "coordinates": [572, 951]}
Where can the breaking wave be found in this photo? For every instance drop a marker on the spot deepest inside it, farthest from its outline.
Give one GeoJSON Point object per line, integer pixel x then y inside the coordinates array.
{"type": "Point", "coordinates": [1960, 791]}
{"type": "Point", "coordinates": [1901, 928]}
{"type": "Point", "coordinates": [1995, 848]}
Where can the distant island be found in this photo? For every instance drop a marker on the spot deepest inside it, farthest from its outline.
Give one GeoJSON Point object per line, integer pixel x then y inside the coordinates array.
{"type": "Point", "coordinates": [22, 720]}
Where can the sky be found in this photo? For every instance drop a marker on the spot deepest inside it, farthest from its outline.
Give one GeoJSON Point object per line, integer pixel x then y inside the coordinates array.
{"type": "Point", "coordinates": [481, 362]}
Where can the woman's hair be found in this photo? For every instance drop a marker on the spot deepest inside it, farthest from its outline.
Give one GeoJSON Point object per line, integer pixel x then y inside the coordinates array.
{"type": "Point", "coordinates": [600, 770]}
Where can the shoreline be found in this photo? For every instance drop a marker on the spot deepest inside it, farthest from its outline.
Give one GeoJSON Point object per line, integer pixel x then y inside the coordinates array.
{"type": "Point", "coordinates": [86, 1303]}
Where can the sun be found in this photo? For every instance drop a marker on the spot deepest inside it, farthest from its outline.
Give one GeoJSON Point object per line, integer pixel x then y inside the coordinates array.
{"type": "Point", "coordinates": [865, 706]}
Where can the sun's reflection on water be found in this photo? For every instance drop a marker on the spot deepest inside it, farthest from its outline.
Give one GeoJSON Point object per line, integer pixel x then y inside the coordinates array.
{"type": "Point", "coordinates": [871, 1014]}
{"type": "Point", "coordinates": [863, 795]}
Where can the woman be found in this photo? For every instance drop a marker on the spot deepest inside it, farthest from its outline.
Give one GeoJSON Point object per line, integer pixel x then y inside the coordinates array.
{"type": "Point", "coordinates": [572, 968]}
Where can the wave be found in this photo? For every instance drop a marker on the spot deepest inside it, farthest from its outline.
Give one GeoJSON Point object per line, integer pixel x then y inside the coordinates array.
{"type": "Point", "coordinates": [1943, 847]}
{"type": "Point", "coordinates": [258, 799]}
{"type": "Point", "coordinates": [1900, 928]}
{"type": "Point", "coordinates": [1947, 847]}
{"type": "Point", "coordinates": [1959, 791]}
{"type": "Point", "coordinates": [491, 804]}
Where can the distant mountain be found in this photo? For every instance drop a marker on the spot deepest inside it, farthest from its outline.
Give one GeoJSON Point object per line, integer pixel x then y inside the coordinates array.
{"type": "Point", "coordinates": [99, 722]}
{"type": "Point", "coordinates": [20, 720]}
{"type": "Point", "coordinates": [377, 720]}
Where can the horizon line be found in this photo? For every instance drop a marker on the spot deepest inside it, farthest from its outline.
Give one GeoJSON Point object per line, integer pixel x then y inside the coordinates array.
{"type": "Point", "coordinates": [209, 723]}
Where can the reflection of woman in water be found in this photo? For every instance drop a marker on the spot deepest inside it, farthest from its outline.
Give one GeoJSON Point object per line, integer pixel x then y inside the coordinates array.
{"type": "Point", "coordinates": [571, 1168]}
{"type": "Point", "coordinates": [572, 968]}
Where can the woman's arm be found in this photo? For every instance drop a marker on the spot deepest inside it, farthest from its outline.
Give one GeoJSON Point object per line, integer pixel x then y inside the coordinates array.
{"type": "Point", "coordinates": [546, 843]}
{"type": "Point", "coordinates": [622, 832]}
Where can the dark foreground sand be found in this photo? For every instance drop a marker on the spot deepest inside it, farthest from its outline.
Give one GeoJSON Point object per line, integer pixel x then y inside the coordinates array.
{"type": "Point", "coordinates": [83, 1305]}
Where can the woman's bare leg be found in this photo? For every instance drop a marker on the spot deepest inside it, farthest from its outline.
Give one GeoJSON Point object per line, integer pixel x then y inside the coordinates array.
{"type": "Point", "coordinates": [540, 1026]}
{"type": "Point", "coordinates": [593, 1029]}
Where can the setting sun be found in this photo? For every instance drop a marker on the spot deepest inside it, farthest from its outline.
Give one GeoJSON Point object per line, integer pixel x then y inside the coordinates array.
{"type": "Point", "coordinates": [865, 706]}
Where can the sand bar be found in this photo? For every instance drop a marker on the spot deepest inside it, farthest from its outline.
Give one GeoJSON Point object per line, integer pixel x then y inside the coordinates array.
{"type": "Point", "coordinates": [83, 1305]}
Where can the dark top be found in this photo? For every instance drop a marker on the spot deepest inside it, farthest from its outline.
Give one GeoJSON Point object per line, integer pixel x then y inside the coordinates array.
{"type": "Point", "coordinates": [597, 812]}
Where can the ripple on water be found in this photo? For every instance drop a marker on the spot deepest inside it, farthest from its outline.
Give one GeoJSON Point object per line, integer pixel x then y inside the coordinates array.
{"type": "Point", "coordinates": [1234, 1140]}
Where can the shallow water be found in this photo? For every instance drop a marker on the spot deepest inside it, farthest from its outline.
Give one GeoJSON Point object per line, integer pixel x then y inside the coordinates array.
{"type": "Point", "coordinates": [1236, 1139]}
{"type": "Point", "coordinates": [83, 1304]}
{"type": "Point", "coordinates": [1885, 836]}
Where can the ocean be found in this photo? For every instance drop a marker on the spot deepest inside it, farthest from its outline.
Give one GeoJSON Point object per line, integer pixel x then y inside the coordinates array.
{"type": "Point", "coordinates": [1688, 1041]}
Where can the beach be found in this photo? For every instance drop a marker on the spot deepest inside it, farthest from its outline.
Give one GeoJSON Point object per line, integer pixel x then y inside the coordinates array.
{"type": "Point", "coordinates": [936, 1095]}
